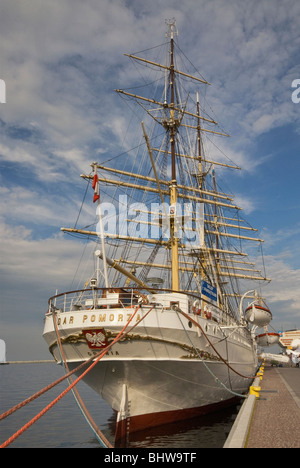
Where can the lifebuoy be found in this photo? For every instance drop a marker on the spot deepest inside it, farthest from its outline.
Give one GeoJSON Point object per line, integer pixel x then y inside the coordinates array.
{"type": "Point", "coordinates": [207, 313]}
{"type": "Point", "coordinates": [196, 307]}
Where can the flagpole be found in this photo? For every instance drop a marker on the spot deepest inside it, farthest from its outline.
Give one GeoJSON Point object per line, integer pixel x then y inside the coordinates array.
{"type": "Point", "coordinates": [97, 198]}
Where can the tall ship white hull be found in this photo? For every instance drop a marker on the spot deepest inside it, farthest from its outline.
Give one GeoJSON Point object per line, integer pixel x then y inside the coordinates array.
{"type": "Point", "coordinates": [161, 320]}
{"type": "Point", "coordinates": [169, 366]}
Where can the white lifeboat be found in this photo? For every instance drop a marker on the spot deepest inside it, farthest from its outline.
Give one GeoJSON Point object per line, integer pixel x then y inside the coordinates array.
{"type": "Point", "coordinates": [267, 339]}
{"type": "Point", "coordinates": [279, 358]}
{"type": "Point", "coordinates": [258, 314]}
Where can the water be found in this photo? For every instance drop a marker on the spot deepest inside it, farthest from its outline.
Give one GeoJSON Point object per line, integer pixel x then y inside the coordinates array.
{"type": "Point", "coordinates": [64, 426]}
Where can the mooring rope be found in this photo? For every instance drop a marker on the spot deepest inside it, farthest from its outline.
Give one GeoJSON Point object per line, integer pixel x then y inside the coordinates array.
{"type": "Point", "coordinates": [99, 435]}
{"type": "Point", "coordinates": [44, 390]}
{"type": "Point", "coordinates": [94, 359]}
{"type": "Point", "coordinates": [70, 387]}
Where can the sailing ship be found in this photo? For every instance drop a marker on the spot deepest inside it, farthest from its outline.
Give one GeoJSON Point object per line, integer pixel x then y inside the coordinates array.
{"type": "Point", "coordinates": [164, 301]}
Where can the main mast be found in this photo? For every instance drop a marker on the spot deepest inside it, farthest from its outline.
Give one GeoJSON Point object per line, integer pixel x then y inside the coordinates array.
{"type": "Point", "coordinates": [172, 125]}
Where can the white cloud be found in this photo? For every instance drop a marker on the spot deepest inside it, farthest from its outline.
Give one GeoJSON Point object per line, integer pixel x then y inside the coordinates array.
{"type": "Point", "coordinates": [283, 293]}
{"type": "Point", "coordinates": [23, 206]}
{"type": "Point", "coordinates": [19, 154]}
{"type": "Point", "coordinates": [284, 240]}
{"type": "Point", "coordinates": [245, 203]}
{"type": "Point", "coordinates": [58, 59]}
{"type": "Point", "coordinates": [32, 269]}
{"type": "Point", "coordinates": [61, 62]}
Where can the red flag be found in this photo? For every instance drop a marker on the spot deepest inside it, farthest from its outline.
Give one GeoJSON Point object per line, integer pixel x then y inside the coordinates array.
{"type": "Point", "coordinates": [96, 188]}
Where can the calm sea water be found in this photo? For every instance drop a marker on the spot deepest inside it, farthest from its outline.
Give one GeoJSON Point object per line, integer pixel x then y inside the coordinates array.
{"type": "Point", "coordinates": [64, 426]}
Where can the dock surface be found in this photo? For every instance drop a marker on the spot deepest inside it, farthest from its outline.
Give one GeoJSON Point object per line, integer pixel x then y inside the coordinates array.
{"type": "Point", "coordinates": [41, 361]}
{"type": "Point", "coordinates": [276, 417]}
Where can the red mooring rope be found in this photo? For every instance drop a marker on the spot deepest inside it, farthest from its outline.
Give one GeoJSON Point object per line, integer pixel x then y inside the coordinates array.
{"type": "Point", "coordinates": [83, 408]}
{"type": "Point", "coordinates": [44, 390]}
{"type": "Point", "coordinates": [95, 360]}
{"type": "Point", "coordinates": [59, 397]}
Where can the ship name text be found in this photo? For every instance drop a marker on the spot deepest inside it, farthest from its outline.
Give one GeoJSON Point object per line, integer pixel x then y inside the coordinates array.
{"type": "Point", "coordinates": [97, 318]}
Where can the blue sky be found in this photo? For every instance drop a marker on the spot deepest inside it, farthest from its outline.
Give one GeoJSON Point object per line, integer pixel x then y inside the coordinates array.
{"type": "Point", "coordinates": [61, 61]}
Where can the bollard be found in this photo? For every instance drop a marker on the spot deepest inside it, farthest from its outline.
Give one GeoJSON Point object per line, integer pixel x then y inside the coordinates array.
{"type": "Point", "coordinates": [255, 391]}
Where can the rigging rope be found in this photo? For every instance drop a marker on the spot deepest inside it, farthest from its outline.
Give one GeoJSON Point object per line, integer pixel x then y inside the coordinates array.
{"type": "Point", "coordinates": [210, 343]}
{"type": "Point", "coordinates": [206, 366]}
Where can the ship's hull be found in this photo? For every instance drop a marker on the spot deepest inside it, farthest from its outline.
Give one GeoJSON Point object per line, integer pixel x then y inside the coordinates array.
{"type": "Point", "coordinates": [147, 394]}
{"type": "Point", "coordinates": [165, 369]}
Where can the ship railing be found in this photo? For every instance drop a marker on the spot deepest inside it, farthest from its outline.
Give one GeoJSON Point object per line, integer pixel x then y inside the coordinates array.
{"type": "Point", "coordinates": [103, 298]}
{"type": "Point", "coordinates": [94, 298]}
{"type": "Point", "coordinates": [98, 298]}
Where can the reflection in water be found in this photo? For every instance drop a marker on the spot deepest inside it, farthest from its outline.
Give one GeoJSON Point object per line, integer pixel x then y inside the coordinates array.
{"type": "Point", "coordinates": [65, 427]}
{"type": "Point", "coordinates": [208, 431]}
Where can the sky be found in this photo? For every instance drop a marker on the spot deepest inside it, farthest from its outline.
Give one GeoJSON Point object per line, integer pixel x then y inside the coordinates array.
{"type": "Point", "coordinates": [61, 61]}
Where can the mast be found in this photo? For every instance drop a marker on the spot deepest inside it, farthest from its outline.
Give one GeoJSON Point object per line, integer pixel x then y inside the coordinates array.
{"type": "Point", "coordinates": [94, 165]}
{"type": "Point", "coordinates": [175, 178]}
{"type": "Point", "coordinates": [173, 188]}
{"type": "Point", "coordinates": [200, 181]}
{"type": "Point", "coordinates": [199, 176]}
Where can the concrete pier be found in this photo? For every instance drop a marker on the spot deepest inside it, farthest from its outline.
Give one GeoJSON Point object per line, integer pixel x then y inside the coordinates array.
{"type": "Point", "coordinates": [276, 418]}
{"type": "Point", "coordinates": [270, 417]}
{"type": "Point", "coordinates": [42, 361]}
